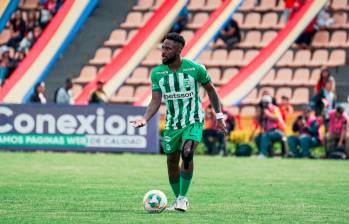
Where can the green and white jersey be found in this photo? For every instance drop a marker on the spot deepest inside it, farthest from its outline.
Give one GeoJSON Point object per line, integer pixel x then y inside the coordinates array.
{"type": "Point", "coordinates": [180, 90]}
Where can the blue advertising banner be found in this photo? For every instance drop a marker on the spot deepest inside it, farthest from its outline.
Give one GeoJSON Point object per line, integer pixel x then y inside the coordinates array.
{"type": "Point", "coordinates": [100, 127]}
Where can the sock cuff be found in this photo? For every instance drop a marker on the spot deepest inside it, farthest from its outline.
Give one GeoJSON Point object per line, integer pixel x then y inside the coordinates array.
{"type": "Point", "coordinates": [186, 175]}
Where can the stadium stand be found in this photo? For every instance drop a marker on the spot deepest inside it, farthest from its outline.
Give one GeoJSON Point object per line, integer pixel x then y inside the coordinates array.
{"type": "Point", "coordinates": [293, 75]}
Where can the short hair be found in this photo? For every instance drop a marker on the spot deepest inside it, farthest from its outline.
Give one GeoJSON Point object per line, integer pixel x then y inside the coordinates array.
{"type": "Point", "coordinates": [175, 37]}
{"type": "Point", "coordinates": [68, 81]}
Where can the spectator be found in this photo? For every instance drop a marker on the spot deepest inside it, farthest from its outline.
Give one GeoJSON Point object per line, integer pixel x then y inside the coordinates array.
{"type": "Point", "coordinates": [308, 128]}
{"type": "Point", "coordinates": [38, 95]}
{"type": "Point", "coordinates": [270, 121]}
{"type": "Point", "coordinates": [336, 137]}
{"type": "Point", "coordinates": [64, 95]}
{"type": "Point", "coordinates": [288, 9]}
{"type": "Point", "coordinates": [324, 20]}
{"type": "Point", "coordinates": [231, 34]}
{"type": "Point", "coordinates": [18, 29]}
{"type": "Point", "coordinates": [181, 21]}
{"type": "Point", "coordinates": [285, 107]}
{"type": "Point", "coordinates": [325, 76]}
{"type": "Point", "coordinates": [324, 100]}
{"type": "Point", "coordinates": [211, 136]}
{"type": "Point", "coordinates": [99, 96]}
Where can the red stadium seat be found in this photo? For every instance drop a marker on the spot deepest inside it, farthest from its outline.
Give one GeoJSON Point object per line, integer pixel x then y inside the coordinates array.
{"type": "Point", "coordinates": [268, 79]}
{"type": "Point", "coordinates": [252, 39]}
{"type": "Point", "coordinates": [338, 39]}
{"type": "Point", "coordinates": [283, 76]}
{"type": "Point", "coordinates": [248, 111]}
{"type": "Point", "coordinates": [198, 20]}
{"type": "Point", "coordinates": [252, 20]}
{"type": "Point", "coordinates": [319, 58]}
{"type": "Point", "coordinates": [300, 96]}
{"type": "Point", "coordinates": [133, 20]}
{"type": "Point", "coordinates": [124, 95]}
{"type": "Point", "coordinates": [301, 77]}
{"type": "Point", "coordinates": [269, 21]}
{"type": "Point", "coordinates": [302, 57]}
{"type": "Point", "coordinates": [286, 59]}
{"type": "Point", "coordinates": [337, 57]}
{"type": "Point", "coordinates": [102, 56]}
{"type": "Point", "coordinates": [87, 74]}
{"type": "Point", "coordinates": [267, 38]}
{"type": "Point", "coordinates": [116, 38]}
{"type": "Point", "coordinates": [139, 76]}
{"type": "Point", "coordinates": [321, 39]}
{"type": "Point", "coordinates": [251, 98]}
{"type": "Point", "coordinates": [284, 91]}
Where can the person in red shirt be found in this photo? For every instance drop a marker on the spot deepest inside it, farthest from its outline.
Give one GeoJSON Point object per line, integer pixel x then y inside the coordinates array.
{"type": "Point", "coordinates": [336, 137]}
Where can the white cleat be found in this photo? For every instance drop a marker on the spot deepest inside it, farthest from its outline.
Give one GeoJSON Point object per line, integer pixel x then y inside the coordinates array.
{"type": "Point", "coordinates": [182, 204]}
{"type": "Point", "coordinates": [172, 207]}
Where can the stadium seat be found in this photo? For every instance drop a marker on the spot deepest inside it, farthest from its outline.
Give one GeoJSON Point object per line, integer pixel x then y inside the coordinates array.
{"type": "Point", "coordinates": [266, 5]}
{"type": "Point", "coordinates": [133, 20]}
{"type": "Point", "coordinates": [5, 36]}
{"type": "Point", "coordinates": [218, 56]}
{"type": "Point", "coordinates": [239, 18]}
{"type": "Point", "coordinates": [196, 5]}
{"type": "Point", "coordinates": [211, 5]}
{"type": "Point", "coordinates": [116, 38]}
{"type": "Point", "coordinates": [251, 98]}
{"type": "Point", "coordinates": [252, 20]}
{"type": "Point", "coordinates": [76, 90]}
{"type": "Point", "coordinates": [315, 76]}
{"type": "Point", "coordinates": [252, 39]}
{"type": "Point", "coordinates": [158, 3]}
{"type": "Point", "coordinates": [146, 17]}
{"type": "Point", "coordinates": [249, 56]}
{"type": "Point", "coordinates": [205, 57]}
{"type": "Point", "coordinates": [187, 35]}
{"type": "Point", "coordinates": [130, 35]}
{"type": "Point", "coordinates": [232, 110]}
{"type": "Point", "coordinates": [143, 5]}
{"type": "Point", "coordinates": [338, 39]}
{"type": "Point", "coordinates": [124, 95]}
{"type": "Point", "coordinates": [339, 4]}
{"type": "Point", "coordinates": [248, 111]}
{"type": "Point", "coordinates": [336, 58]}
{"type": "Point", "coordinates": [247, 5]}
{"type": "Point", "coordinates": [235, 58]}
{"type": "Point", "coordinates": [140, 91]}
{"type": "Point", "coordinates": [228, 74]}
{"type": "Point", "coordinates": [301, 58]}
{"type": "Point", "coordinates": [341, 20]}
{"type": "Point", "coordinates": [153, 58]}
{"type": "Point", "coordinates": [198, 20]}
{"type": "Point", "coordinates": [284, 91]}
{"type": "Point", "coordinates": [87, 74]}
{"type": "Point", "coordinates": [286, 59]}
{"type": "Point", "coordinates": [321, 39]}
{"type": "Point", "coordinates": [267, 38]}
{"type": "Point", "coordinates": [215, 74]}
{"type": "Point", "coordinates": [300, 96]}
{"type": "Point", "coordinates": [139, 76]}
{"type": "Point", "coordinates": [268, 79]}
{"type": "Point", "coordinates": [283, 77]}
{"type": "Point", "coordinates": [269, 21]}
{"type": "Point", "coordinates": [102, 56]}
{"type": "Point", "coordinates": [319, 58]}
{"type": "Point", "coordinates": [301, 77]}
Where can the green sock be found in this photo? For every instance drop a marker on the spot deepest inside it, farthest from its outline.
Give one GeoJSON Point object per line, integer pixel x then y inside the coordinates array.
{"type": "Point", "coordinates": [185, 181]}
{"type": "Point", "coordinates": [175, 186]}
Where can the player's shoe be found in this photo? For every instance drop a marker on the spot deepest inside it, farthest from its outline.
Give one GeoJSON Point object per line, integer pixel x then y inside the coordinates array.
{"type": "Point", "coordinates": [173, 205]}
{"type": "Point", "coordinates": [182, 204]}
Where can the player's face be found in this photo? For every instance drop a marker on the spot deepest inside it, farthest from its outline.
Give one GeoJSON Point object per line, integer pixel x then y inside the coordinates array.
{"type": "Point", "coordinates": [170, 51]}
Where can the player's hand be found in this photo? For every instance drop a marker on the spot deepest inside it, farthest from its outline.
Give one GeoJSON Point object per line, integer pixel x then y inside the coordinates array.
{"type": "Point", "coordinates": [221, 127]}
{"type": "Point", "coordinates": [137, 123]}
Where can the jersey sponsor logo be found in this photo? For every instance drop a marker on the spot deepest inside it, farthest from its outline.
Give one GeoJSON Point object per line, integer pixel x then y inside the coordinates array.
{"type": "Point", "coordinates": [178, 95]}
{"type": "Point", "coordinates": [188, 69]}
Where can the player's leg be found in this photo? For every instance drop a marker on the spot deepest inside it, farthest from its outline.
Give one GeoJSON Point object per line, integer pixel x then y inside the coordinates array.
{"type": "Point", "coordinates": [174, 171]}
{"type": "Point", "coordinates": [191, 137]}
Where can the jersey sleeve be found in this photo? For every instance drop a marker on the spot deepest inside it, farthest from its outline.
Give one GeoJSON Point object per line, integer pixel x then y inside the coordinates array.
{"type": "Point", "coordinates": [154, 82]}
{"type": "Point", "coordinates": [203, 76]}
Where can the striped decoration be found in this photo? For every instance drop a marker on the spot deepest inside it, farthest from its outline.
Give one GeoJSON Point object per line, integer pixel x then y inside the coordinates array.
{"type": "Point", "coordinates": [45, 52]}
{"type": "Point", "coordinates": [241, 84]}
{"type": "Point", "coordinates": [203, 37]}
{"type": "Point", "coordinates": [7, 7]}
{"type": "Point", "coordinates": [121, 66]}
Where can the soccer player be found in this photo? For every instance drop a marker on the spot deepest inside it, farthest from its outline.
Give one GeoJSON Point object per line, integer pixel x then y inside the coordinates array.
{"type": "Point", "coordinates": [177, 81]}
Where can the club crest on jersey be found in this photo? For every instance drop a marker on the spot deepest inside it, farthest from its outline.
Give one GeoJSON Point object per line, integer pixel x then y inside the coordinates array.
{"type": "Point", "coordinates": [186, 83]}
{"type": "Point", "coordinates": [167, 139]}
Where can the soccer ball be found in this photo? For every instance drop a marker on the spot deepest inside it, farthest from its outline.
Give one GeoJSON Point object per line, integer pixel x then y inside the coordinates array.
{"type": "Point", "coordinates": [154, 201]}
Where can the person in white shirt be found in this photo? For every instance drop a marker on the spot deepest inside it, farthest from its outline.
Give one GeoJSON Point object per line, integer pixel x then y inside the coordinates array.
{"type": "Point", "coordinates": [64, 94]}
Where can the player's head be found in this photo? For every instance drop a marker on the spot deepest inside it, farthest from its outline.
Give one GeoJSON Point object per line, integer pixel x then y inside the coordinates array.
{"type": "Point", "coordinates": [172, 47]}
{"type": "Point", "coordinates": [68, 83]}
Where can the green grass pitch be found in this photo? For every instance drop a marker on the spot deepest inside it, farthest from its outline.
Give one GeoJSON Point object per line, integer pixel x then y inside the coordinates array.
{"type": "Point", "coordinates": [108, 188]}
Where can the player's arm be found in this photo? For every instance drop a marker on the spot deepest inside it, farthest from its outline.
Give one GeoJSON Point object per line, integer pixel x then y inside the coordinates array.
{"type": "Point", "coordinates": [215, 102]}
{"type": "Point", "coordinates": [152, 108]}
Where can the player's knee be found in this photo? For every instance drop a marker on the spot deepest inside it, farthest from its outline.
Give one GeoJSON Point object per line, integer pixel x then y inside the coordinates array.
{"type": "Point", "coordinates": [187, 154]}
